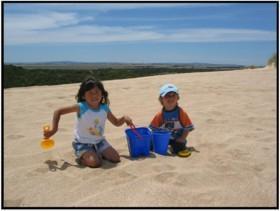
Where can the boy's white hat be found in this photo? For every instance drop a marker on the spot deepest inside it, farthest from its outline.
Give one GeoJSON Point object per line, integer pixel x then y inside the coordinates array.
{"type": "Point", "coordinates": [167, 88]}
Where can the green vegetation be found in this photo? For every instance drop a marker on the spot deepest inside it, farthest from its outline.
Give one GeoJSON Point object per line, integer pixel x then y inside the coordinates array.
{"type": "Point", "coordinates": [16, 76]}
{"type": "Point", "coordinates": [252, 67]}
{"type": "Point", "coordinates": [272, 60]}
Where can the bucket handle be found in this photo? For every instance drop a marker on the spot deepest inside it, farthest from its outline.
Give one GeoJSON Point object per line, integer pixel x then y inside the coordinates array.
{"type": "Point", "coordinates": [132, 126]}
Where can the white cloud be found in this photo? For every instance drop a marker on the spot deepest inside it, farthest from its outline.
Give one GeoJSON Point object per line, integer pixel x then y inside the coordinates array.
{"type": "Point", "coordinates": [57, 27]}
{"type": "Point", "coordinates": [96, 34]}
{"type": "Point", "coordinates": [40, 21]}
{"type": "Point", "coordinates": [80, 34]}
{"type": "Point", "coordinates": [219, 35]}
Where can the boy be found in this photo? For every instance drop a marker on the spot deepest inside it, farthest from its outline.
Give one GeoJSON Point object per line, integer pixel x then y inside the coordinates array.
{"type": "Point", "coordinates": [173, 118]}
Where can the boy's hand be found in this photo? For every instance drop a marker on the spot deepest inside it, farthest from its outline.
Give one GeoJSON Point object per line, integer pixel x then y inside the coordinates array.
{"type": "Point", "coordinates": [181, 140]}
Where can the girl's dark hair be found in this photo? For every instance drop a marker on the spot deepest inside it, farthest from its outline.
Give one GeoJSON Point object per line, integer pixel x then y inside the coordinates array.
{"type": "Point", "coordinates": [88, 84]}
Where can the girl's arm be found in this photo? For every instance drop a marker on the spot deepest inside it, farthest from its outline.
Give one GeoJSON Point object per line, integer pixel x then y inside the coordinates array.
{"type": "Point", "coordinates": [119, 121]}
{"type": "Point", "coordinates": [56, 118]}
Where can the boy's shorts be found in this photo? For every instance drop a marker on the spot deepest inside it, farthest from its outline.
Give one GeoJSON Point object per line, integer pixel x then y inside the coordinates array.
{"type": "Point", "coordinates": [176, 146]}
{"type": "Point", "coordinates": [81, 148]}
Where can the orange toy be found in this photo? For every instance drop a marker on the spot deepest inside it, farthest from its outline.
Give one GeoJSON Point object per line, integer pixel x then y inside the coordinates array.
{"type": "Point", "coordinates": [47, 143]}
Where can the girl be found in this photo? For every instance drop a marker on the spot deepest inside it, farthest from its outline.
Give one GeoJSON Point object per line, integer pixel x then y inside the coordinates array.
{"type": "Point", "coordinates": [92, 111]}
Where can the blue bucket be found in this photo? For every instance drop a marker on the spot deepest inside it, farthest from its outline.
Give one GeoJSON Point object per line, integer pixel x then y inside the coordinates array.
{"type": "Point", "coordinates": [161, 141]}
{"type": "Point", "coordinates": [138, 146]}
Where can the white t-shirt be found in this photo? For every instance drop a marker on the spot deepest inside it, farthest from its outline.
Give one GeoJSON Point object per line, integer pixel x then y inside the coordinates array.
{"type": "Point", "coordinates": [90, 123]}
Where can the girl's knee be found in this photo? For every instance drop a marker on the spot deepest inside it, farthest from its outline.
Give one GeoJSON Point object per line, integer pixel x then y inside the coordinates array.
{"type": "Point", "coordinates": [91, 160]}
{"type": "Point", "coordinates": [95, 164]}
{"type": "Point", "coordinates": [115, 159]}
{"type": "Point", "coordinates": [112, 155]}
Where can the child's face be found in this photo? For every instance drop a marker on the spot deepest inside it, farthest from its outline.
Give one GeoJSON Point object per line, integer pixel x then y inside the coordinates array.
{"type": "Point", "coordinates": [170, 100]}
{"type": "Point", "coordinates": [93, 97]}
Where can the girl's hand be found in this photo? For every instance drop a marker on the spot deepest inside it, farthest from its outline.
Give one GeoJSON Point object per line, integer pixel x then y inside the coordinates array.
{"type": "Point", "coordinates": [119, 121]}
{"type": "Point", "coordinates": [128, 120]}
{"type": "Point", "coordinates": [49, 133]}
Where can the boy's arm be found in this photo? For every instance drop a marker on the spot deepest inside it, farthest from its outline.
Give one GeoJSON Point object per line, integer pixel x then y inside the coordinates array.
{"type": "Point", "coordinates": [56, 118]}
{"type": "Point", "coordinates": [156, 122]}
{"type": "Point", "coordinates": [186, 121]}
{"type": "Point", "coordinates": [187, 126]}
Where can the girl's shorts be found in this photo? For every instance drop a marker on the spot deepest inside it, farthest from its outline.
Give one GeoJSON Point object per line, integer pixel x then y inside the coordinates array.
{"type": "Point", "coordinates": [81, 148]}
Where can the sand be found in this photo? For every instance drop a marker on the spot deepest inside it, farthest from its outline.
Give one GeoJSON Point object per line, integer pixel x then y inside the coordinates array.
{"type": "Point", "coordinates": [234, 164]}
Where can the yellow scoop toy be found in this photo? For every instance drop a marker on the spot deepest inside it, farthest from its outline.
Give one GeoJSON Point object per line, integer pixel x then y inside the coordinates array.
{"type": "Point", "coordinates": [184, 153]}
{"type": "Point", "coordinates": [47, 143]}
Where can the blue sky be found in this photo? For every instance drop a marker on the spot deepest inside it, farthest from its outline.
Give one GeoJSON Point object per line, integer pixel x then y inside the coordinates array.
{"type": "Point", "coordinates": [224, 33]}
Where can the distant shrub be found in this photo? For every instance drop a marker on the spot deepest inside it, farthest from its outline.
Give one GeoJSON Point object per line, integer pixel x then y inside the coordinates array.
{"type": "Point", "coordinates": [16, 76]}
{"type": "Point", "coordinates": [272, 60]}
{"type": "Point", "coordinates": [252, 67]}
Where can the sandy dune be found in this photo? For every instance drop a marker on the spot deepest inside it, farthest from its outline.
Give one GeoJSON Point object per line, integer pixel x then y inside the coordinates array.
{"type": "Point", "coordinates": [234, 113]}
